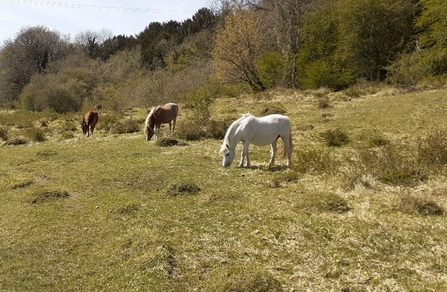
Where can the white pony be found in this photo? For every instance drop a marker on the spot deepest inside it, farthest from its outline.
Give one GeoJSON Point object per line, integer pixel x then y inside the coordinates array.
{"type": "Point", "coordinates": [259, 131]}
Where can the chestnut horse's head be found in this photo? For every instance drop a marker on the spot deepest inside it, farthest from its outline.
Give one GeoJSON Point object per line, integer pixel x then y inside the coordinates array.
{"type": "Point", "coordinates": [149, 126]}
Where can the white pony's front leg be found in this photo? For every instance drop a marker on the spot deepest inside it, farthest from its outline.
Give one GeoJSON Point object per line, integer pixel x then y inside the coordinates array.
{"type": "Point", "coordinates": [273, 154]}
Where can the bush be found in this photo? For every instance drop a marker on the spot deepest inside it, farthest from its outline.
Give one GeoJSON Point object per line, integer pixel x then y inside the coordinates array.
{"type": "Point", "coordinates": [335, 137]}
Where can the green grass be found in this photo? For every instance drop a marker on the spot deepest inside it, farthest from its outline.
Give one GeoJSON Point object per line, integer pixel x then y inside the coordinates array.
{"type": "Point", "coordinates": [116, 213]}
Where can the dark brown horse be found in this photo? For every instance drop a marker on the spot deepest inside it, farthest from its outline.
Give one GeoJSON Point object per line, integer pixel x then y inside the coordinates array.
{"type": "Point", "coordinates": [89, 122]}
{"type": "Point", "coordinates": [160, 115]}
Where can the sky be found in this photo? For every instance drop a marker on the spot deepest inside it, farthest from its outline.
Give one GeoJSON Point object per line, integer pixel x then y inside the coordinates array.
{"type": "Point", "coordinates": [72, 17]}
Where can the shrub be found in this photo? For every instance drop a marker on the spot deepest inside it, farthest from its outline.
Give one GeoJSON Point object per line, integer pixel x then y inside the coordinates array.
{"type": "Point", "coordinates": [335, 137]}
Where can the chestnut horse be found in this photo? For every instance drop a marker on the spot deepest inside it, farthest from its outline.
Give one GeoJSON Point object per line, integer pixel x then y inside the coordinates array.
{"type": "Point", "coordinates": [90, 119]}
{"type": "Point", "coordinates": [160, 115]}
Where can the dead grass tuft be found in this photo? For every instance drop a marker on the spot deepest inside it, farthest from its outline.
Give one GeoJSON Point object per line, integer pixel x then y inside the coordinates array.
{"type": "Point", "coordinates": [184, 188]}
{"type": "Point", "coordinates": [417, 205]}
{"type": "Point", "coordinates": [49, 196]}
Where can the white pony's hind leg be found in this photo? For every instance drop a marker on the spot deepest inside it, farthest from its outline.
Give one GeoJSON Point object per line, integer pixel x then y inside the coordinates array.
{"type": "Point", "coordinates": [273, 154]}
{"type": "Point", "coordinates": [244, 154]}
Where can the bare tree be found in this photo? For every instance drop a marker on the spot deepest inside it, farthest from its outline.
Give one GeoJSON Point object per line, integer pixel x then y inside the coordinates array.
{"type": "Point", "coordinates": [237, 49]}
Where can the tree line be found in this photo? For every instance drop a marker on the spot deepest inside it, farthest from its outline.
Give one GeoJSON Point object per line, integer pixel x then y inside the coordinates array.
{"type": "Point", "coordinates": [232, 47]}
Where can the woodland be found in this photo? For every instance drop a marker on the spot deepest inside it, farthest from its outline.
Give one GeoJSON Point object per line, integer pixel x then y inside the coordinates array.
{"type": "Point", "coordinates": [232, 48]}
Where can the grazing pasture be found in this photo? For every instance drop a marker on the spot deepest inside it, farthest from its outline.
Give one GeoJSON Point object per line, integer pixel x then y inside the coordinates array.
{"type": "Point", "coordinates": [115, 212]}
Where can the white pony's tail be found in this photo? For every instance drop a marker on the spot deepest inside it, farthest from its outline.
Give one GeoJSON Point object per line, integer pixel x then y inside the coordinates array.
{"type": "Point", "coordinates": [284, 149]}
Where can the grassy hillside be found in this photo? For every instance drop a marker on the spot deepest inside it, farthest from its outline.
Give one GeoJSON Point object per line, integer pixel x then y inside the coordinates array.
{"type": "Point", "coordinates": [116, 213]}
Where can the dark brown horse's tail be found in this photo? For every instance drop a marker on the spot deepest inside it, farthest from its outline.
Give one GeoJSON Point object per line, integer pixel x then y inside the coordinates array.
{"type": "Point", "coordinates": [92, 118]}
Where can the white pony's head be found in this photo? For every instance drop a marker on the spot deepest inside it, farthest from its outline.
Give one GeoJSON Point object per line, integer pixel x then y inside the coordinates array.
{"type": "Point", "coordinates": [228, 155]}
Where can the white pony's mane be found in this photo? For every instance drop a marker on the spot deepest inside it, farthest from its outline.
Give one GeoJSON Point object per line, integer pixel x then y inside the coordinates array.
{"type": "Point", "coordinates": [231, 130]}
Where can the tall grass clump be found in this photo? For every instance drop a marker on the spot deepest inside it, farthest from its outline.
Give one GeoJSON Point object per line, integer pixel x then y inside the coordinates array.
{"type": "Point", "coordinates": [35, 134]}
{"type": "Point", "coordinates": [322, 202]}
{"type": "Point", "coordinates": [243, 279]}
{"type": "Point", "coordinates": [335, 137]}
{"type": "Point", "coordinates": [195, 129]}
{"type": "Point", "coordinates": [316, 161]}
{"type": "Point", "coordinates": [416, 205]}
{"type": "Point", "coordinates": [432, 150]}
{"type": "Point", "coordinates": [3, 133]}
{"type": "Point", "coordinates": [390, 165]}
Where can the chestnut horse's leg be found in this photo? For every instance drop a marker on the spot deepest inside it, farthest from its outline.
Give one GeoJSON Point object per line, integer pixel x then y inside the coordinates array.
{"type": "Point", "coordinates": [157, 130]}
{"type": "Point", "coordinates": [173, 125]}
